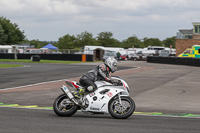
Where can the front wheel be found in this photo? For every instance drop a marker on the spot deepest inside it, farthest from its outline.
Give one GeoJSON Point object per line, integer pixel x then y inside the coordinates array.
{"type": "Point", "coordinates": [63, 106]}
{"type": "Point", "coordinates": [123, 110]}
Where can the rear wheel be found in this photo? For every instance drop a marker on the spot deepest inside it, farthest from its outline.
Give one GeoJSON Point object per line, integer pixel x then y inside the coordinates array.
{"type": "Point", "coordinates": [63, 106]}
{"type": "Point", "coordinates": [123, 110]}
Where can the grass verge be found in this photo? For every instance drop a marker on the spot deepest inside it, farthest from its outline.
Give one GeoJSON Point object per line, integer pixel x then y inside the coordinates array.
{"type": "Point", "coordinates": [10, 65]}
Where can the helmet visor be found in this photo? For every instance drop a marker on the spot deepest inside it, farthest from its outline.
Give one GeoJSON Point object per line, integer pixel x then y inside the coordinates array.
{"type": "Point", "coordinates": [115, 67]}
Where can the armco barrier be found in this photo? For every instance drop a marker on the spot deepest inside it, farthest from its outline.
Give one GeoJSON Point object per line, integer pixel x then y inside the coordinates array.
{"type": "Point", "coordinates": [67, 57]}
{"type": "Point", "coordinates": [174, 60]}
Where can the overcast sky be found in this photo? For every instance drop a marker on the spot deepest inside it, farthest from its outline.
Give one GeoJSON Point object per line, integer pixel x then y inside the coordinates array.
{"type": "Point", "coordinates": [47, 20]}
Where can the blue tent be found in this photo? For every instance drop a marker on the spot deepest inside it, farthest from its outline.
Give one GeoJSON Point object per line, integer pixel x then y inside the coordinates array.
{"type": "Point", "coordinates": [50, 46]}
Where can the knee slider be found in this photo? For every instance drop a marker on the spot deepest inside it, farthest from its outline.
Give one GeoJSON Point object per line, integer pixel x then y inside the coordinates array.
{"type": "Point", "coordinates": [90, 88]}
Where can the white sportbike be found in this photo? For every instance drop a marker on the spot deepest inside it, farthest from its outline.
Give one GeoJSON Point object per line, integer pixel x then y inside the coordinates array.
{"type": "Point", "coordinates": [109, 98]}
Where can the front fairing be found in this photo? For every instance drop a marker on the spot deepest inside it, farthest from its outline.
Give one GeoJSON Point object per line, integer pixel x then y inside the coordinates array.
{"type": "Point", "coordinates": [102, 83]}
{"type": "Point", "coordinates": [98, 101]}
{"type": "Point", "coordinates": [124, 84]}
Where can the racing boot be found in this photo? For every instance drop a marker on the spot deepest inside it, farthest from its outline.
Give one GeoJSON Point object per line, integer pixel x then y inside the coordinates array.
{"type": "Point", "coordinates": [82, 91]}
{"type": "Point", "coordinates": [78, 95]}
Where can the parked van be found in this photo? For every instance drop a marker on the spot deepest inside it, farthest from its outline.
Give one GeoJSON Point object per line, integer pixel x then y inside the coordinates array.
{"type": "Point", "coordinates": [33, 51]}
{"type": "Point", "coordinates": [157, 48]}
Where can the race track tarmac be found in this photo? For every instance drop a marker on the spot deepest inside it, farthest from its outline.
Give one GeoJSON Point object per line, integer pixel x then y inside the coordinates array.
{"type": "Point", "coordinates": [33, 73]}
{"type": "Point", "coordinates": [166, 99]}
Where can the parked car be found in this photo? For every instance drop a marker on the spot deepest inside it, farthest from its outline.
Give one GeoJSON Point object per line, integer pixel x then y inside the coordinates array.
{"type": "Point", "coordinates": [137, 57]}
{"type": "Point", "coordinates": [133, 56]}
{"type": "Point", "coordinates": [124, 57]}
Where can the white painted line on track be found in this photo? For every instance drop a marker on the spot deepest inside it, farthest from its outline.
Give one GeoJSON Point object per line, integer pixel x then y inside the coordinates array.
{"type": "Point", "coordinates": [16, 67]}
{"type": "Point", "coordinates": [27, 66]}
{"type": "Point", "coordinates": [33, 84]}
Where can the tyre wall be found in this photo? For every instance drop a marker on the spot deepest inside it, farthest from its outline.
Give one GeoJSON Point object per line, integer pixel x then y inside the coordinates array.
{"type": "Point", "coordinates": [67, 57]}
{"type": "Point", "coordinates": [174, 60]}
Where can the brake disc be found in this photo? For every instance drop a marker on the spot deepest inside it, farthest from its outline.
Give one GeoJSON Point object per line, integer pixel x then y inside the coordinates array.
{"type": "Point", "coordinates": [120, 107]}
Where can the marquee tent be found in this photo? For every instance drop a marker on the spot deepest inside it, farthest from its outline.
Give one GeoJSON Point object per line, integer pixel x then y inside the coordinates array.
{"type": "Point", "coordinates": [49, 46]}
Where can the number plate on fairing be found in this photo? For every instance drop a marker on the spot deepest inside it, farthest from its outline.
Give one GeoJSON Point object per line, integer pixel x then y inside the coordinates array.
{"type": "Point", "coordinates": [92, 94]}
{"type": "Point", "coordinates": [109, 94]}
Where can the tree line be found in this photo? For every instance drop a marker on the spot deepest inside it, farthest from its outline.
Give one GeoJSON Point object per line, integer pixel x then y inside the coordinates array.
{"type": "Point", "coordinates": [11, 34]}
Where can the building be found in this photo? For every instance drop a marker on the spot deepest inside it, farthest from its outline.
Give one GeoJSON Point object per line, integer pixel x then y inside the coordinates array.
{"type": "Point", "coordinates": [185, 34]}
{"type": "Point", "coordinates": [99, 51]}
{"type": "Point", "coordinates": [8, 48]}
{"type": "Point", "coordinates": [186, 38]}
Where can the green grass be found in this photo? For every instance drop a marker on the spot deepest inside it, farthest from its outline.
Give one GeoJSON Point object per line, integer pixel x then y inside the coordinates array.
{"type": "Point", "coordinates": [41, 61]}
{"type": "Point", "coordinates": [10, 65]}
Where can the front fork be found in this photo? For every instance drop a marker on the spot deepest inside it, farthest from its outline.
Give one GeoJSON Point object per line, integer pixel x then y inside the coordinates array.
{"type": "Point", "coordinates": [120, 101]}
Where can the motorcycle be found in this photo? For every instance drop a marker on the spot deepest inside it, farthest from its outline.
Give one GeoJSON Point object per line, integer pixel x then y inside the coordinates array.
{"type": "Point", "coordinates": [109, 98]}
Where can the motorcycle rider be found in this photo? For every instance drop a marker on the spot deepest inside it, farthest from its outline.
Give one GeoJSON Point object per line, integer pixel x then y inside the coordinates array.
{"type": "Point", "coordinates": [100, 72]}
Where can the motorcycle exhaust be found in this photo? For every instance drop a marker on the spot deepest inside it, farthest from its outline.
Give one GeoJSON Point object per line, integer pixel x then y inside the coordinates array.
{"type": "Point", "coordinates": [69, 94]}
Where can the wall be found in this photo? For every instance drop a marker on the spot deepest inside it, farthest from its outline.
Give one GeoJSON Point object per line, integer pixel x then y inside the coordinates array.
{"type": "Point", "coordinates": [183, 44]}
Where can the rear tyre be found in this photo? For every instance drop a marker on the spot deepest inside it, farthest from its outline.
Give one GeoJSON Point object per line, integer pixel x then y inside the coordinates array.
{"type": "Point", "coordinates": [121, 111]}
{"type": "Point", "coordinates": [63, 106]}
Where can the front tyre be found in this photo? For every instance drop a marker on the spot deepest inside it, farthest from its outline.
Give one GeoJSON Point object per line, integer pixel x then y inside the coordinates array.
{"type": "Point", "coordinates": [121, 111]}
{"type": "Point", "coordinates": [63, 106]}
